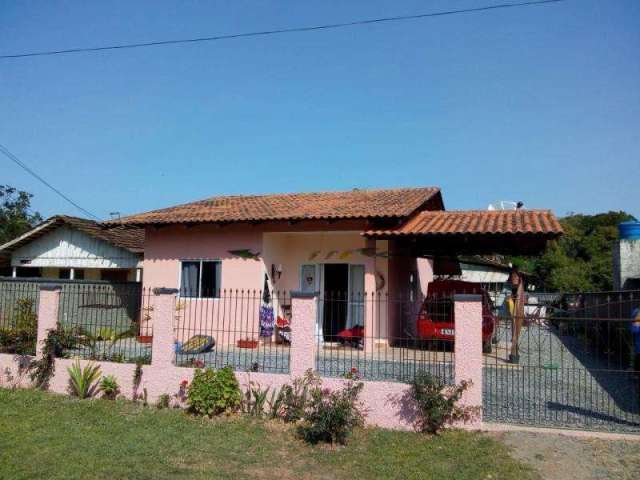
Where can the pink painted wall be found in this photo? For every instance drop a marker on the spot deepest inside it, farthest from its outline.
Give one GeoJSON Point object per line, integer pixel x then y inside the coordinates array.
{"type": "Point", "coordinates": [387, 404]}
{"type": "Point", "coordinates": [236, 316]}
{"type": "Point", "coordinates": [401, 267]}
{"type": "Point", "coordinates": [227, 319]}
{"type": "Point", "coordinates": [292, 250]}
{"type": "Point", "coordinates": [166, 247]}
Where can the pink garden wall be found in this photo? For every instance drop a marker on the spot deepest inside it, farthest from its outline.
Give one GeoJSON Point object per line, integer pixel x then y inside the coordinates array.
{"type": "Point", "coordinates": [387, 403]}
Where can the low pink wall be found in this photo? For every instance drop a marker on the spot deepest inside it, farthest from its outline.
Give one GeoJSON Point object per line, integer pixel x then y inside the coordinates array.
{"type": "Point", "coordinates": [387, 404]}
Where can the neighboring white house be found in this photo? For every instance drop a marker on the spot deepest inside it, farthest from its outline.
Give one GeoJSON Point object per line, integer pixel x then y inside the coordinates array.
{"type": "Point", "coordinates": [492, 274]}
{"type": "Point", "coordinates": [64, 247]}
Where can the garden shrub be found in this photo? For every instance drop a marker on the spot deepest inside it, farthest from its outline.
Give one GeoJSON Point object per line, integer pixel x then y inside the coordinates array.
{"type": "Point", "coordinates": [137, 380]}
{"type": "Point", "coordinates": [330, 415]}
{"type": "Point", "coordinates": [41, 370]}
{"type": "Point", "coordinates": [109, 387]}
{"type": "Point", "coordinates": [164, 401]}
{"type": "Point", "coordinates": [255, 400]}
{"type": "Point", "coordinates": [26, 318]}
{"type": "Point", "coordinates": [18, 342]}
{"type": "Point", "coordinates": [437, 403]}
{"type": "Point", "coordinates": [83, 382]}
{"type": "Point", "coordinates": [292, 400]}
{"type": "Point", "coordinates": [21, 338]}
{"type": "Point", "coordinates": [214, 392]}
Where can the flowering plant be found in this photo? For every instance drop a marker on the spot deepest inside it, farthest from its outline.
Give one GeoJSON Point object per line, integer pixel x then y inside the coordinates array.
{"type": "Point", "coordinates": [331, 415]}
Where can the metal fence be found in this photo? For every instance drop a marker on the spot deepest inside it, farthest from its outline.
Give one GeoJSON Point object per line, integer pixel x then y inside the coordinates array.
{"type": "Point", "coordinates": [110, 322]}
{"type": "Point", "coordinates": [249, 330]}
{"type": "Point", "coordinates": [385, 338]}
{"type": "Point", "coordinates": [574, 367]}
{"type": "Point", "coordinates": [18, 317]}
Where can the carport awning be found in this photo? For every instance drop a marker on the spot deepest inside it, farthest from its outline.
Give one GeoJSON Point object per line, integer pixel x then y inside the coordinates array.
{"type": "Point", "coordinates": [523, 232]}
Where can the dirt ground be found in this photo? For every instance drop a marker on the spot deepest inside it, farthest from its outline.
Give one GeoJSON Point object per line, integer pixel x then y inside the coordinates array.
{"type": "Point", "coordinates": [561, 457]}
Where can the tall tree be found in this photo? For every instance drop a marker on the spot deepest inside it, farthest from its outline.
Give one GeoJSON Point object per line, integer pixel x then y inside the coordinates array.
{"type": "Point", "coordinates": [16, 216]}
{"type": "Point", "coordinates": [582, 259]}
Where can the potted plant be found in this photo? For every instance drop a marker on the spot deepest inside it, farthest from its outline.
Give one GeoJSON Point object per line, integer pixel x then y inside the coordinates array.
{"type": "Point", "coordinates": [247, 343]}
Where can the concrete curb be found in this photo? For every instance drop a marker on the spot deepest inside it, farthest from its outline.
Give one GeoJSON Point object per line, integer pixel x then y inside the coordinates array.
{"type": "Point", "coordinates": [503, 427]}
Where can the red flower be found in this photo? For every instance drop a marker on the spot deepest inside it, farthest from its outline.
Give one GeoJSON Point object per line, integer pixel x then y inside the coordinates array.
{"type": "Point", "coordinates": [354, 370]}
{"type": "Point", "coordinates": [184, 383]}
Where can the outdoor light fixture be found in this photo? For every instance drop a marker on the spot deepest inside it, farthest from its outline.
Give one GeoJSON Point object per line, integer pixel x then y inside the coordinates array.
{"type": "Point", "coordinates": [276, 271]}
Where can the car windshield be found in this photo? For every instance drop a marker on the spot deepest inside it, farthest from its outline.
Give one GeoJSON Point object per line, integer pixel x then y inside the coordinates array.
{"type": "Point", "coordinates": [439, 310]}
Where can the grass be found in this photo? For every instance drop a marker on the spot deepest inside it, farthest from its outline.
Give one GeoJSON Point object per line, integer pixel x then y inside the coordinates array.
{"type": "Point", "coordinates": [56, 437]}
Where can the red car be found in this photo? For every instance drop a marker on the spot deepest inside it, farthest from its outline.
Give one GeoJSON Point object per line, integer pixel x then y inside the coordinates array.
{"type": "Point", "coordinates": [435, 320]}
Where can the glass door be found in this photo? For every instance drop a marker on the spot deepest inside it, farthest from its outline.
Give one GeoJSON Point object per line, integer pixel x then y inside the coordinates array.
{"type": "Point", "coordinates": [356, 296]}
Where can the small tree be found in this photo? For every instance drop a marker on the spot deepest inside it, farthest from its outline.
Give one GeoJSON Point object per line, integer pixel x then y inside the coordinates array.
{"type": "Point", "coordinates": [15, 218]}
{"type": "Point", "coordinates": [437, 403]}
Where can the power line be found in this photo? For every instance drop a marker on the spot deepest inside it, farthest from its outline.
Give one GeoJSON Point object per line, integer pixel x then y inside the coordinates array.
{"type": "Point", "coordinates": [280, 31]}
{"type": "Point", "coordinates": [20, 163]}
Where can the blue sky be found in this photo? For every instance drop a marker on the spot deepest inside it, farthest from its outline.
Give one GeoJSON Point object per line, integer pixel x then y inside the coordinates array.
{"type": "Point", "coordinates": [539, 104]}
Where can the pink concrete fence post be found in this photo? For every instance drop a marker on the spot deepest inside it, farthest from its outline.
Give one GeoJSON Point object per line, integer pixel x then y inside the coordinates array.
{"type": "Point", "coordinates": [47, 313]}
{"type": "Point", "coordinates": [304, 308]}
{"type": "Point", "coordinates": [162, 316]}
{"type": "Point", "coordinates": [468, 351]}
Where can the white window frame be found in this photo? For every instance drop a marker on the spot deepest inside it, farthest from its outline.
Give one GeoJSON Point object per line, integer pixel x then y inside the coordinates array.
{"type": "Point", "coordinates": [320, 290]}
{"type": "Point", "coordinates": [200, 261]}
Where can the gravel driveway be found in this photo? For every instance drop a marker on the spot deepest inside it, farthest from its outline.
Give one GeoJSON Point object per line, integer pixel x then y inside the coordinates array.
{"type": "Point", "coordinates": [559, 382]}
{"type": "Point", "coordinates": [562, 457]}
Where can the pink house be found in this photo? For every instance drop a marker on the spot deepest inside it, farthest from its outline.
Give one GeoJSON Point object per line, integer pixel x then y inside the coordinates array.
{"type": "Point", "coordinates": [344, 245]}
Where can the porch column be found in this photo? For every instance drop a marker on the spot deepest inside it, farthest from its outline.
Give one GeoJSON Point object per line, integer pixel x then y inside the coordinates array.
{"type": "Point", "coordinates": [72, 273]}
{"type": "Point", "coordinates": [47, 314]}
{"type": "Point", "coordinates": [304, 315]}
{"type": "Point", "coordinates": [14, 272]}
{"type": "Point", "coordinates": [468, 352]}
{"type": "Point", "coordinates": [163, 315]}
{"type": "Point", "coordinates": [371, 314]}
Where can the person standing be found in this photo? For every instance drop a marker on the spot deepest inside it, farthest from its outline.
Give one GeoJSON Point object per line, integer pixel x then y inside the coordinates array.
{"type": "Point", "coordinates": [635, 333]}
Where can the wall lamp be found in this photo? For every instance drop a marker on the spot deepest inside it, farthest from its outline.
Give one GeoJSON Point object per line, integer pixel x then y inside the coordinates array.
{"type": "Point", "coordinates": [276, 271]}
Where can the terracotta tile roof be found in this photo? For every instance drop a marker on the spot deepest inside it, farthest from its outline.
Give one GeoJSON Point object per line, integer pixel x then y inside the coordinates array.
{"type": "Point", "coordinates": [293, 206]}
{"type": "Point", "coordinates": [127, 237]}
{"type": "Point", "coordinates": [495, 222]}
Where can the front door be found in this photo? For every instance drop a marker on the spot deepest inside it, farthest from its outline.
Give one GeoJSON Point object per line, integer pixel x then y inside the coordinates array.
{"type": "Point", "coordinates": [336, 296]}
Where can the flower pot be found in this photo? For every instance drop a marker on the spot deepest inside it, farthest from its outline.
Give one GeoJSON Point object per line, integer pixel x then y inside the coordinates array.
{"type": "Point", "coordinates": [145, 338]}
{"type": "Point", "coordinates": [247, 343]}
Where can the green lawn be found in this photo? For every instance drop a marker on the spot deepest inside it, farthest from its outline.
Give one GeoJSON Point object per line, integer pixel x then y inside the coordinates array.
{"type": "Point", "coordinates": [55, 437]}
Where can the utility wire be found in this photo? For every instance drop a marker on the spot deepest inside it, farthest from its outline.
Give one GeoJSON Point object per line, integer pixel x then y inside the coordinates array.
{"type": "Point", "coordinates": [281, 31]}
{"type": "Point", "coordinates": [20, 163]}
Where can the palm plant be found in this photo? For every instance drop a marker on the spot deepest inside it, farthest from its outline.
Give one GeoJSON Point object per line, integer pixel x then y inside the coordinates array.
{"type": "Point", "coordinates": [83, 382]}
{"type": "Point", "coordinates": [107, 335]}
{"type": "Point", "coordinates": [109, 387]}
